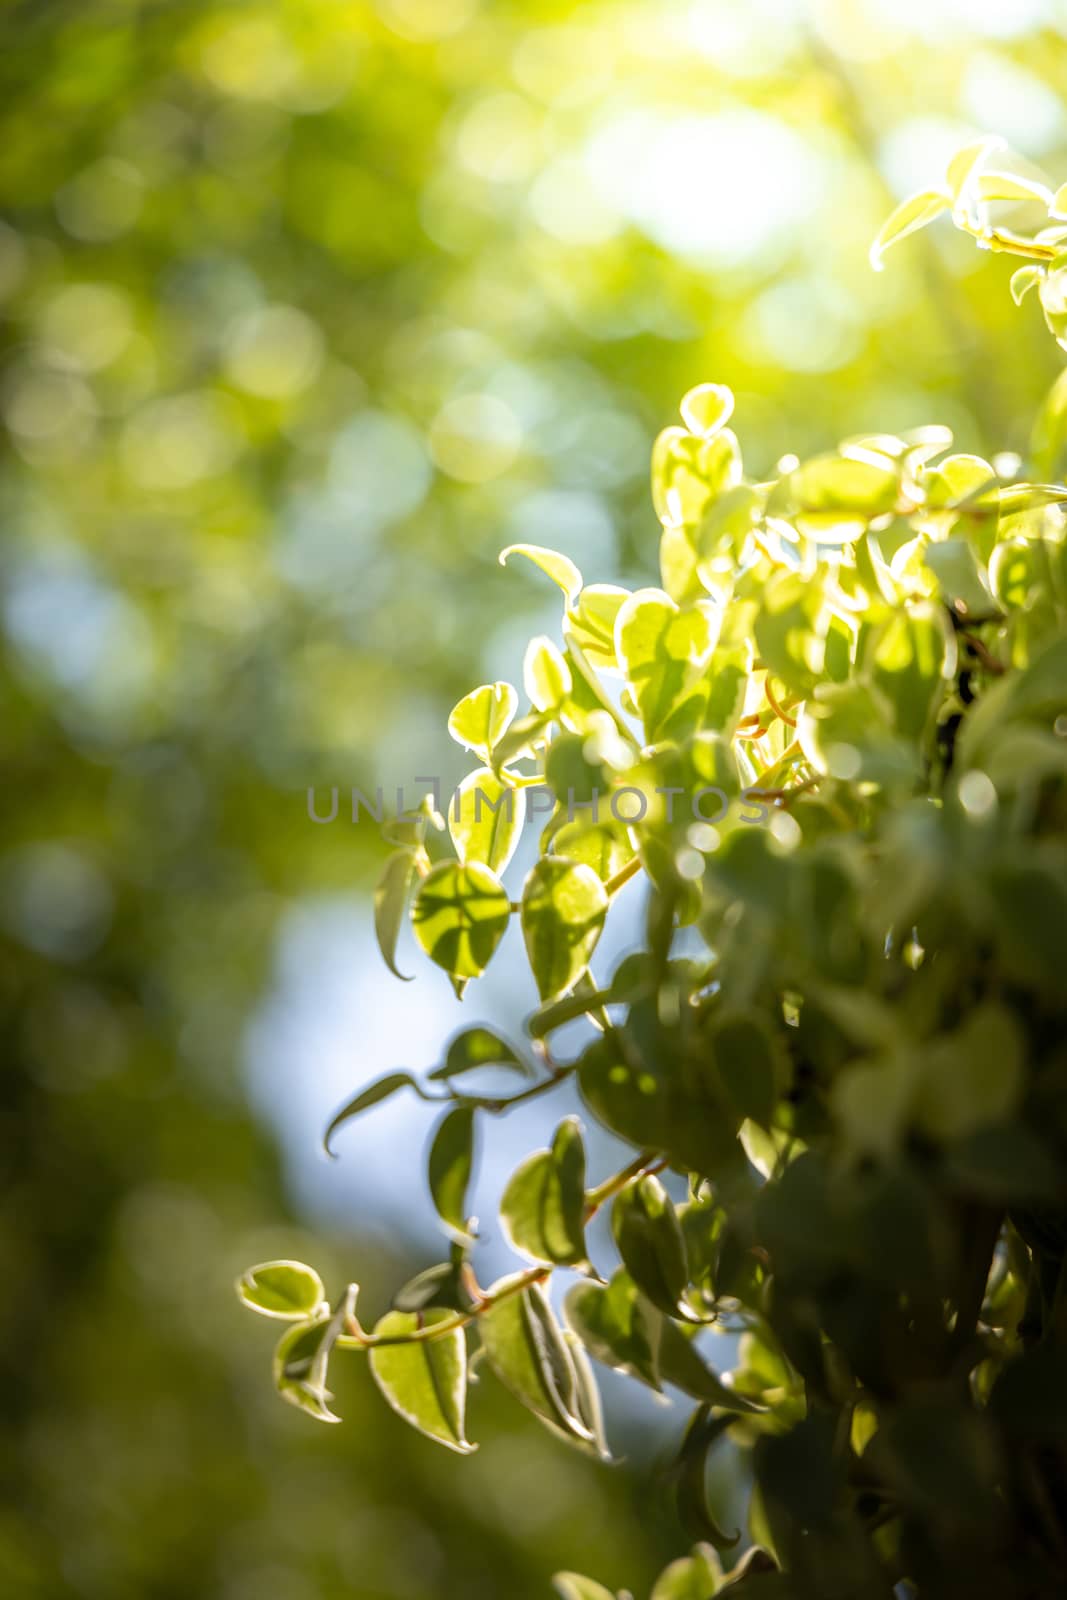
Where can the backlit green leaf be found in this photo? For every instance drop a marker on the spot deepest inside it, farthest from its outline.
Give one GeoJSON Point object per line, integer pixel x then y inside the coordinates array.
{"type": "Point", "coordinates": [485, 818]}
{"type": "Point", "coordinates": [525, 1348]}
{"type": "Point", "coordinates": [425, 1380]}
{"type": "Point", "coordinates": [559, 568]}
{"type": "Point", "coordinates": [916, 212]}
{"type": "Point", "coordinates": [545, 675]}
{"type": "Point", "coordinates": [449, 1167]}
{"type": "Point", "coordinates": [460, 916]}
{"type": "Point", "coordinates": [286, 1289]}
{"type": "Point", "coordinates": [377, 1091]}
{"type": "Point", "coordinates": [482, 717]}
{"type": "Point", "coordinates": [707, 408]}
{"type": "Point", "coordinates": [543, 1206]}
{"type": "Point", "coordinates": [478, 1047]}
{"type": "Point", "coordinates": [649, 1239]}
{"type": "Point", "coordinates": [564, 905]}
{"type": "Point", "coordinates": [391, 896]}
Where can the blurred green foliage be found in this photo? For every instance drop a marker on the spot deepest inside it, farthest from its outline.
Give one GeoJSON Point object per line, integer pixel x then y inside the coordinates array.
{"type": "Point", "coordinates": [309, 308]}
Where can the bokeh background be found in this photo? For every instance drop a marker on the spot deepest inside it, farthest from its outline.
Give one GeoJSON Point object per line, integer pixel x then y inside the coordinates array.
{"type": "Point", "coordinates": [310, 306]}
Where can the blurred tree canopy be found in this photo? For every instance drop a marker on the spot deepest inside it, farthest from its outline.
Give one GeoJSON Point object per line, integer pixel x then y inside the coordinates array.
{"type": "Point", "coordinates": [308, 309]}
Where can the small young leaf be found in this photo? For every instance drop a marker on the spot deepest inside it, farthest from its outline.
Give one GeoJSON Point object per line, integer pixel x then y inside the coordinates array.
{"type": "Point", "coordinates": [482, 717]}
{"type": "Point", "coordinates": [591, 623]}
{"type": "Point", "coordinates": [546, 676]}
{"type": "Point", "coordinates": [375, 1092]}
{"type": "Point", "coordinates": [707, 408]}
{"type": "Point", "coordinates": [433, 1286]}
{"type": "Point", "coordinates": [485, 818]}
{"type": "Point", "coordinates": [478, 1047]}
{"type": "Point", "coordinates": [911, 215]}
{"type": "Point", "coordinates": [564, 905]}
{"type": "Point", "coordinates": [965, 163]}
{"type": "Point", "coordinates": [559, 568]}
{"type": "Point", "coordinates": [542, 1209]}
{"type": "Point", "coordinates": [1023, 280]}
{"type": "Point", "coordinates": [649, 1239]}
{"type": "Point", "coordinates": [460, 916]}
{"type": "Point", "coordinates": [450, 1164]}
{"type": "Point", "coordinates": [1009, 186]}
{"type": "Point", "coordinates": [572, 1586]}
{"type": "Point", "coordinates": [284, 1289]}
{"type": "Point", "coordinates": [391, 896]}
{"type": "Point", "coordinates": [524, 1346]}
{"type": "Point", "coordinates": [693, 1577]}
{"type": "Point", "coordinates": [424, 1380]}
{"type": "Point", "coordinates": [1058, 205]}
{"type": "Point", "coordinates": [301, 1358]}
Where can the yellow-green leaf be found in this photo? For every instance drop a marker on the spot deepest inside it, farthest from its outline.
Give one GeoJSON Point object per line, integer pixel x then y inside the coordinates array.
{"type": "Point", "coordinates": [543, 1207]}
{"type": "Point", "coordinates": [563, 908]}
{"type": "Point", "coordinates": [485, 818]}
{"type": "Point", "coordinates": [558, 567]}
{"type": "Point", "coordinates": [482, 717]}
{"type": "Point", "coordinates": [424, 1380]}
{"type": "Point", "coordinates": [460, 916]}
{"type": "Point", "coordinates": [286, 1289]}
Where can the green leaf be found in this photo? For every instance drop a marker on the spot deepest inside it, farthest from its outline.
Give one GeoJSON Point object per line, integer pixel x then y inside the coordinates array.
{"type": "Point", "coordinates": [485, 819]}
{"type": "Point", "coordinates": [912, 214]}
{"type": "Point", "coordinates": [559, 568]}
{"type": "Point", "coordinates": [1058, 205]}
{"type": "Point", "coordinates": [963, 585]}
{"type": "Point", "coordinates": [649, 1239]}
{"type": "Point", "coordinates": [478, 1047]}
{"type": "Point", "coordinates": [482, 717]}
{"type": "Point", "coordinates": [617, 1326]}
{"type": "Point", "coordinates": [910, 657]}
{"type": "Point", "coordinates": [604, 846]}
{"type": "Point", "coordinates": [992, 186]}
{"type": "Point", "coordinates": [690, 1472]}
{"type": "Point", "coordinates": [833, 497]}
{"type": "Point", "coordinates": [693, 1577]}
{"type": "Point", "coordinates": [663, 649]}
{"type": "Point", "coordinates": [460, 916]}
{"type": "Point", "coordinates": [790, 630]}
{"type": "Point", "coordinates": [965, 164]}
{"type": "Point", "coordinates": [545, 675]}
{"type": "Point", "coordinates": [587, 1394]}
{"type": "Point", "coordinates": [543, 1207]}
{"type": "Point", "coordinates": [749, 1063]}
{"type": "Point", "coordinates": [707, 408]}
{"type": "Point", "coordinates": [525, 1348]}
{"type": "Point", "coordinates": [424, 1380]}
{"type": "Point", "coordinates": [375, 1092]}
{"type": "Point", "coordinates": [572, 1586]}
{"type": "Point", "coordinates": [301, 1361]}
{"type": "Point", "coordinates": [972, 1078]}
{"type": "Point", "coordinates": [286, 1289]}
{"type": "Point", "coordinates": [1048, 441]}
{"type": "Point", "coordinates": [391, 896]}
{"type": "Point", "coordinates": [591, 623]}
{"type": "Point", "coordinates": [451, 1161]}
{"type": "Point", "coordinates": [1023, 279]}
{"type": "Point", "coordinates": [564, 905]}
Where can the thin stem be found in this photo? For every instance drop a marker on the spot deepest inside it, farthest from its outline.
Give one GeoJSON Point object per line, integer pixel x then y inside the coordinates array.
{"type": "Point", "coordinates": [779, 710]}
{"type": "Point", "coordinates": [645, 1162]}
{"type": "Point", "coordinates": [356, 1337]}
{"type": "Point", "coordinates": [623, 876]}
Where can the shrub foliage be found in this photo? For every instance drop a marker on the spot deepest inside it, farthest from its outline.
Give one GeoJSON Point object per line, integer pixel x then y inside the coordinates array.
{"type": "Point", "coordinates": [834, 744]}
